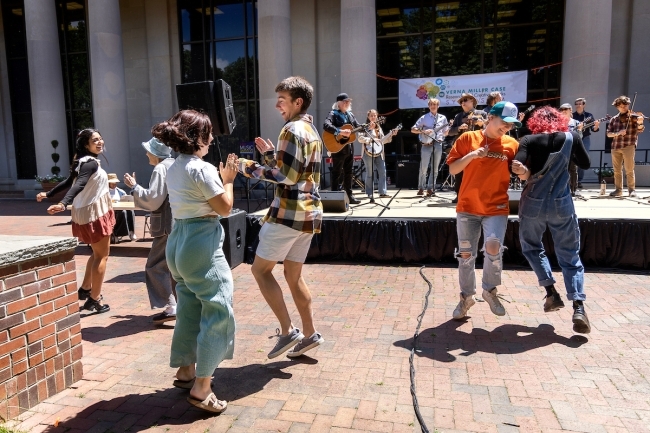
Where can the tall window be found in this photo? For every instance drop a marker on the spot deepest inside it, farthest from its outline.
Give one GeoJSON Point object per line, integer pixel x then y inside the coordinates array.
{"type": "Point", "coordinates": [73, 43]}
{"type": "Point", "coordinates": [218, 40]}
{"type": "Point", "coordinates": [13, 17]}
{"type": "Point", "coordinates": [426, 38]}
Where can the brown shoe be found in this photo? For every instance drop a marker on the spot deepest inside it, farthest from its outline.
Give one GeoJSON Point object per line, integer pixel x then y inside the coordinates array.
{"type": "Point", "coordinates": [430, 193]}
{"type": "Point", "coordinates": [420, 192]}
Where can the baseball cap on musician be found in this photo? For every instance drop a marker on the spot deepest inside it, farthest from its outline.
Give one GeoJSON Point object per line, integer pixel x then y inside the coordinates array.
{"type": "Point", "coordinates": [507, 111]}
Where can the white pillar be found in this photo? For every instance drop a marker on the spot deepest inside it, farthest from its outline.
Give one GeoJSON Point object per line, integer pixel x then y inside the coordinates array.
{"type": "Point", "coordinates": [640, 65]}
{"type": "Point", "coordinates": [274, 46]}
{"type": "Point", "coordinates": [359, 56]}
{"type": "Point", "coordinates": [586, 60]}
{"type": "Point", "coordinates": [107, 76]}
{"type": "Point", "coordinates": [46, 85]}
{"type": "Point", "coordinates": [159, 56]}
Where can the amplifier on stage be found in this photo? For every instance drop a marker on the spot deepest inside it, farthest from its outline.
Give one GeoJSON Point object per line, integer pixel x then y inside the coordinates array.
{"type": "Point", "coordinates": [407, 174]}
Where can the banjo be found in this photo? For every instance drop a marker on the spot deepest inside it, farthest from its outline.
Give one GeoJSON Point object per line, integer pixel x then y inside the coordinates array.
{"type": "Point", "coordinates": [375, 147]}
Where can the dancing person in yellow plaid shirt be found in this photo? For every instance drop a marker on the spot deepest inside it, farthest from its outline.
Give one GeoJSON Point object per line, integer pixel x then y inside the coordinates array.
{"type": "Point", "coordinates": [294, 215]}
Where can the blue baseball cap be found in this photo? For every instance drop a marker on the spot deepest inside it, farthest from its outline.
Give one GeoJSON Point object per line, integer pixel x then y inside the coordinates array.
{"type": "Point", "coordinates": [157, 148]}
{"type": "Point", "coordinates": [507, 111]}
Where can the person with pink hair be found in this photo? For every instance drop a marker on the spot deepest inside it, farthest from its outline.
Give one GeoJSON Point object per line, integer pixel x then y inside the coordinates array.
{"type": "Point", "coordinates": [542, 161]}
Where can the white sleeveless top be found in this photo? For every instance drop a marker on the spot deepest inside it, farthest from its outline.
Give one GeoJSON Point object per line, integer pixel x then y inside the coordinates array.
{"type": "Point", "coordinates": [94, 201]}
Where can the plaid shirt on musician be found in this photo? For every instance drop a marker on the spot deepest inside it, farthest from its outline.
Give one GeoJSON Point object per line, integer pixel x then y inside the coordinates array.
{"type": "Point", "coordinates": [631, 137]}
{"type": "Point", "coordinates": [295, 167]}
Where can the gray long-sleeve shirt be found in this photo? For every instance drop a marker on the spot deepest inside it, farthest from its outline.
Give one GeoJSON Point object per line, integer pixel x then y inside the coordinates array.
{"type": "Point", "coordinates": [155, 199]}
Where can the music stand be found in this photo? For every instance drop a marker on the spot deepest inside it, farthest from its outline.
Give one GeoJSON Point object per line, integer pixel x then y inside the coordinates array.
{"type": "Point", "coordinates": [372, 172]}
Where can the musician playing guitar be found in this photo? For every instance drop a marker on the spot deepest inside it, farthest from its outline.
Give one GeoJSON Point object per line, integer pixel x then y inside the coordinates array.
{"type": "Point", "coordinates": [373, 154]}
{"type": "Point", "coordinates": [470, 119]}
{"type": "Point", "coordinates": [344, 159]}
{"type": "Point", "coordinates": [583, 116]}
{"type": "Point", "coordinates": [431, 128]}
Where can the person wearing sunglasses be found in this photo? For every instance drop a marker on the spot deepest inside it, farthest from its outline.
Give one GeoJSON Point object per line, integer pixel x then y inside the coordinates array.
{"type": "Point", "coordinates": [470, 119]}
{"type": "Point", "coordinates": [483, 203]}
{"type": "Point", "coordinates": [581, 116]}
{"type": "Point", "coordinates": [624, 128]}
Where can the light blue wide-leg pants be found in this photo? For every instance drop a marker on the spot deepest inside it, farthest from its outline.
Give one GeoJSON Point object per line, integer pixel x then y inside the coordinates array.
{"type": "Point", "coordinates": [205, 323]}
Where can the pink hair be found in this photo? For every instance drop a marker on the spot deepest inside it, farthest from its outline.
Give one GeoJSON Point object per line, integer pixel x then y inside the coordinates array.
{"type": "Point", "coordinates": [547, 119]}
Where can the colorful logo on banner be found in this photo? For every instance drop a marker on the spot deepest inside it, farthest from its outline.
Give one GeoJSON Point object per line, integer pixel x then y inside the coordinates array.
{"type": "Point", "coordinates": [414, 92]}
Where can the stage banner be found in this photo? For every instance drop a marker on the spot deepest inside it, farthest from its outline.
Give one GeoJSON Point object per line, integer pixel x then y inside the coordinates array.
{"type": "Point", "coordinates": [415, 92]}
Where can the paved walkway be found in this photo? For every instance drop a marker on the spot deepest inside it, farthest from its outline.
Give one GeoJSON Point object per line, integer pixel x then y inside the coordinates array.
{"type": "Point", "coordinates": [525, 372]}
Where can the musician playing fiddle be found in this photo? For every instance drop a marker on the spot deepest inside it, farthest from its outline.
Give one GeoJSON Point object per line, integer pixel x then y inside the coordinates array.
{"type": "Point", "coordinates": [375, 162]}
{"type": "Point", "coordinates": [624, 128]}
{"type": "Point", "coordinates": [431, 129]}
{"type": "Point", "coordinates": [470, 119]}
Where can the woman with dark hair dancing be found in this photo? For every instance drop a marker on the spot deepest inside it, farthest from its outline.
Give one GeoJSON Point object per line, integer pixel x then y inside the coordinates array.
{"type": "Point", "coordinates": [92, 213]}
{"type": "Point", "coordinates": [204, 334]}
{"type": "Point", "coordinates": [543, 160]}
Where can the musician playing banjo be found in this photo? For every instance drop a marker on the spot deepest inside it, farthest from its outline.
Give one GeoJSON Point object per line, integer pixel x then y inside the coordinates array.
{"type": "Point", "coordinates": [431, 129]}
{"type": "Point", "coordinates": [373, 154]}
{"type": "Point", "coordinates": [344, 159]}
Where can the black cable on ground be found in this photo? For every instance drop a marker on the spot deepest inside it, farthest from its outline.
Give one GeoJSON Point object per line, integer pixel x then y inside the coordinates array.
{"type": "Point", "coordinates": [416, 406]}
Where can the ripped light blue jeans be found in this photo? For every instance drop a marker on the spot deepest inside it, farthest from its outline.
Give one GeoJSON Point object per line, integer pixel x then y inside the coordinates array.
{"type": "Point", "coordinates": [468, 227]}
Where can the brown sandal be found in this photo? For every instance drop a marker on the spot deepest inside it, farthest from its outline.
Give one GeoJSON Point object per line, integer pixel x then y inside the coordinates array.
{"type": "Point", "coordinates": [210, 404]}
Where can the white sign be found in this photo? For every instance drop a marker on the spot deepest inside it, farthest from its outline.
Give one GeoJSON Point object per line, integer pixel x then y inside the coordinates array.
{"type": "Point", "coordinates": [415, 92]}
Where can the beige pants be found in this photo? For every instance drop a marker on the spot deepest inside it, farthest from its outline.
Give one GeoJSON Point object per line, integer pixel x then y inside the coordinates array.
{"type": "Point", "coordinates": [624, 157]}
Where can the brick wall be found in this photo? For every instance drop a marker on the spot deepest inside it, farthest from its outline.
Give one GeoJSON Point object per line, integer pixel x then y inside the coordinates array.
{"type": "Point", "coordinates": [40, 333]}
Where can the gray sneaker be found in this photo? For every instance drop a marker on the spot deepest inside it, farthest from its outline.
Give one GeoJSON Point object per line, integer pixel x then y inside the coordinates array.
{"type": "Point", "coordinates": [633, 193]}
{"type": "Point", "coordinates": [493, 301]}
{"type": "Point", "coordinates": [306, 344]}
{"type": "Point", "coordinates": [466, 302]}
{"type": "Point", "coordinates": [285, 342]}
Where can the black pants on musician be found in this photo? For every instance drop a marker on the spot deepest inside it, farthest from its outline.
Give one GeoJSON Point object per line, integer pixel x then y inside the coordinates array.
{"type": "Point", "coordinates": [342, 163]}
{"type": "Point", "coordinates": [458, 179]}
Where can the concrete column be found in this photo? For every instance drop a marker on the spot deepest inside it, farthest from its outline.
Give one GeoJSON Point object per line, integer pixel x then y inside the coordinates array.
{"type": "Point", "coordinates": [586, 60]}
{"type": "Point", "coordinates": [640, 65]}
{"type": "Point", "coordinates": [328, 43]}
{"type": "Point", "coordinates": [303, 40]}
{"type": "Point", "coordinates": [159, 56]}
{"type": "Point", "coordinates": [274, 45]}
{"type": "Point", "coordinates": [46, 84]}
{"type": "Point", "coordinates": [8, 173]}
{"type": "Point", "coordinates": [359, 55]}
{"type": "Point", "coordinates": [107, 76]}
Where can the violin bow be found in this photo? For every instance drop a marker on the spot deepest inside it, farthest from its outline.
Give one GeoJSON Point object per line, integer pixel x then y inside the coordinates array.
{"type": "Point", "coordinates": [630, 111]}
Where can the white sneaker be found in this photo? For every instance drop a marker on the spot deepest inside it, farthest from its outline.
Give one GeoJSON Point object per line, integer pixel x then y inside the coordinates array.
{"type": "Point", "coordinates": [494, 302]}
{"type": "Point", "coordinates": [132, 236]}
{"type": "Point", "coordinates": [463, 306]}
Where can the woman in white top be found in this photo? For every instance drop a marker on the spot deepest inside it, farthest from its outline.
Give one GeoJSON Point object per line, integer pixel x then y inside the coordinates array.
{"type": "Point", "coordinates": [92, 213]}
{"type": "Point", "coordinates": [204, 334]}
{"type": "Point", "coordinates": [374, 155]}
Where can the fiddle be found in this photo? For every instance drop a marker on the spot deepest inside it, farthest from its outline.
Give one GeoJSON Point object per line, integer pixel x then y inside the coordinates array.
{"type": "Point", "coordinates": [637, 115]}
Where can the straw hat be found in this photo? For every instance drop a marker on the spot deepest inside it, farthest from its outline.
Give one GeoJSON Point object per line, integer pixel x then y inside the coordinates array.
{"type": "Point", "coordinates": [112, 178]}
{"type": "Point", "coordinates": [468, 95]}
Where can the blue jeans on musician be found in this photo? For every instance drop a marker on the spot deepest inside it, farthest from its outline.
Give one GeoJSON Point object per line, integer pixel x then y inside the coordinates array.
{"type": "Point", "coordinates": [426, 154]}
{"type": "Point", "coordinates": [559, 215]}
{"type": "Point", "coordinates": [468, 227]}
{"type": "Point", "coordinates": [587, 142]}
{"type": "Point", "coordinates": [379, 166]}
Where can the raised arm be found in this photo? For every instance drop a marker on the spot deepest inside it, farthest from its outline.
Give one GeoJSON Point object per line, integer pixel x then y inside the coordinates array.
{"type": "Point", "coordinates": [151, 199]}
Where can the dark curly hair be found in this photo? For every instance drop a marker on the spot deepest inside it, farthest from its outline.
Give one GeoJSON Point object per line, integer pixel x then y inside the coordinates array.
{"type": "Point", "coordinates": [83, 138]}
{"type": "Point", "coordinates": [184, 131]}
{"type": "Point", "coordinates": [547, 119]}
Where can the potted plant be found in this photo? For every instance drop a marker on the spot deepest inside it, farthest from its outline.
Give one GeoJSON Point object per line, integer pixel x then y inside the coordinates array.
{"type": "Point", "coordinates": [49, 181]}
{"type": "Point", "coordinates": [605, 173]}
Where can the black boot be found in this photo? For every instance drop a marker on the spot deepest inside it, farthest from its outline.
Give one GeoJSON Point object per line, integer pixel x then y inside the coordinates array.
{"type": "Point", "coordinates": [580, 321]}
{"type": "Point", "coordinates": [83, 293]}
{"type": "Point", "coordinates": [95, 305]}
{"type": "Point", "coordinates": [552, 300]}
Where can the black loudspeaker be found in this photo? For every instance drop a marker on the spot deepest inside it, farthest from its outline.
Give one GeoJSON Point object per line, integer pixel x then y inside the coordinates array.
{"type": "Point", "coordinates": [234, 242]}
{"type": "Point", "coordinates": [407, 174]}
{"type": "Point", "coordinates": [213, 98]}
{"type": "Point", "coordinates": [335, 201]}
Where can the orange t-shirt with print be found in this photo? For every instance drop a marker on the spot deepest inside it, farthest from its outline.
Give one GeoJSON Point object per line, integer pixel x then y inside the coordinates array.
{"type": "Point", "coordinates": [484, 190]}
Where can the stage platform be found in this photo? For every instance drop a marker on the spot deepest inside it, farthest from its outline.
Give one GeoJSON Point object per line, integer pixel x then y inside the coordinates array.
{"type": "Point", "coordinates": [615, 232]}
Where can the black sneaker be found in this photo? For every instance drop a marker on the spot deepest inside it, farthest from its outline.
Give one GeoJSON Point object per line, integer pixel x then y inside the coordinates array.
{"type": "Point", "coordinates": [553, 302]}
{"type": "Point", "coordinates": [580, 321]}
{"type": "Point", "coordinates": [354, 200]}
{"type": "Point", "coordinates": [83, 294]}
{"type": "Point", "coordinates": [455, 200]}
{"type": "Point", "coordinates": [163, 317]}
{"type": "Point", "coordinates": [95, 305]}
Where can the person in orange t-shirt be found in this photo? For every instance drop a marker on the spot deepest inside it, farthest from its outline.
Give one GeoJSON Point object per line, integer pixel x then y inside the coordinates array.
{"type": "Point", "coordinates": [484, 158]}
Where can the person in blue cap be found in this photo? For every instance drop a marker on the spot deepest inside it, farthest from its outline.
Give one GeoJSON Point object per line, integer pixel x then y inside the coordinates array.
{"type": "Point", "coordinates": [159, 281]}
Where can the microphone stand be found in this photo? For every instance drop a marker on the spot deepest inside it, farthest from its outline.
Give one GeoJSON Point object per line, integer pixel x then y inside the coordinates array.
{"type": "Point", "coordinates": [372, 172]}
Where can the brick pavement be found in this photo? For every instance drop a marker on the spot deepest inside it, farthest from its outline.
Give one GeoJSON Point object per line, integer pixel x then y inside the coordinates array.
{"type": "Point", "coordinates": [526, 371]}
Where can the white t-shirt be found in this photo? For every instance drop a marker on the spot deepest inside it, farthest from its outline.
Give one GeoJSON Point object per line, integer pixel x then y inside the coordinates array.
{"type": "Point", "coordinates": [191, 182]}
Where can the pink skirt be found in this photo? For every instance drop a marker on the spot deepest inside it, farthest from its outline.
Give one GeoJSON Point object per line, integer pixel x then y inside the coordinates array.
{"type": "Point", "coordinates": [94, 231]}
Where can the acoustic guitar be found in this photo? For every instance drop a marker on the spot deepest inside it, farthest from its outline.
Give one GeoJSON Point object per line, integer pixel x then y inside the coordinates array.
{"type": "Point", "coordinates": [334, 144]}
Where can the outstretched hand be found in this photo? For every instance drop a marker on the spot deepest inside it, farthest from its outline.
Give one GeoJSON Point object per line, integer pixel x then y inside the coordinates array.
{"type": "Point", "coordinates": [55, 208]}
{"type": "Point", "coordinates": [264, 145]}
{"type": "Point", "coordinates": [229, 171]}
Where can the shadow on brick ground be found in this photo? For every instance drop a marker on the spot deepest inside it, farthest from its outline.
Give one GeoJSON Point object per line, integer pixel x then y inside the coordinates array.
{"type": "Point", "coordinates": [438, 343]}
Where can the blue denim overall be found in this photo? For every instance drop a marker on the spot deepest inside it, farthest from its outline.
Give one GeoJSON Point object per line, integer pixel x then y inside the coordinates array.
{"type": "Point", "coordinates": [546, 201]}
